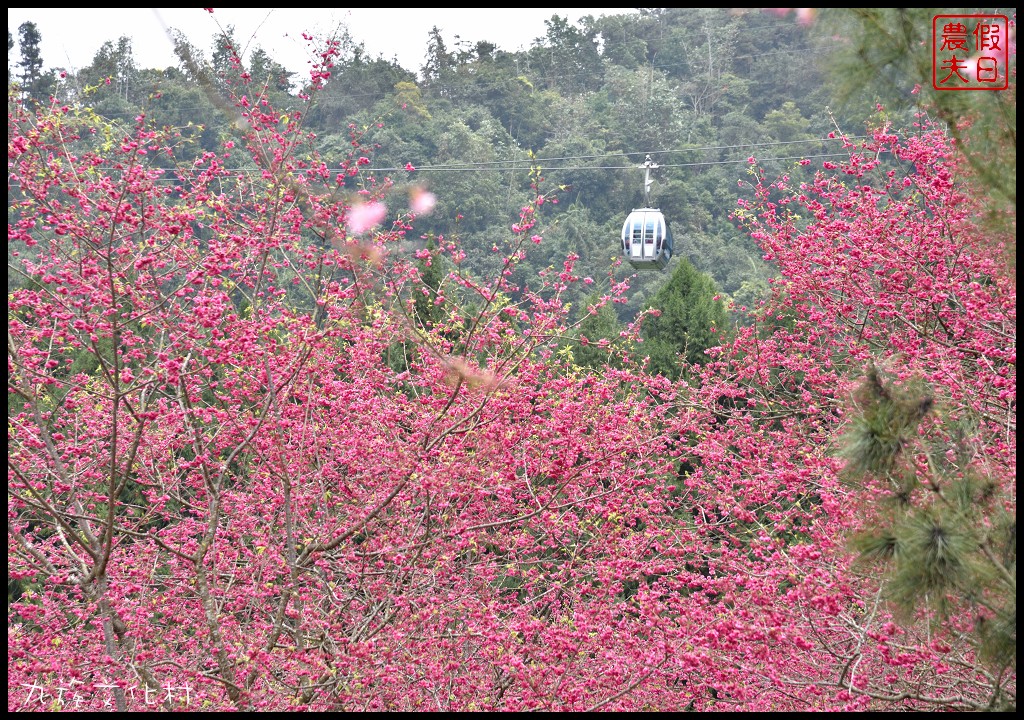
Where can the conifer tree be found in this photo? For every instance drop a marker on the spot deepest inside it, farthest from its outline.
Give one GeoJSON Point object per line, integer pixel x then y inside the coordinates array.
{"type": "Point", "coordinates": [429, 302]}
{"type": "Point", "coordinates": [599, 337]}
{"type": "Point", "coordinates": [36, 84]}
{"type": "Point", "coordinates": [944, 532]}
{"type": "Point", "coordinates": [690, 320]}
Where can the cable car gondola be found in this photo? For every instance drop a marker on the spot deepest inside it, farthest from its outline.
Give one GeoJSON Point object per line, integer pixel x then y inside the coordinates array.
{"type": "Point", "coordinates": [646, 238]}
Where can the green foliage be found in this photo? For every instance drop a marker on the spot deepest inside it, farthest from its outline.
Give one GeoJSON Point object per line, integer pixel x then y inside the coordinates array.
{"type": "Point", "coordinates": [599, 338]}
{"type": "Point", "coordinates": [702, 88]}
{"type": "Point", "coordinates": [786, 124]}
{"type": "Point", "coordinates": [225, 59]}
{"type": "Point", "coordinates": [886, 57]}
{"type": "Point", "coordinates": [943, 537]}
{"type": "Point", "coordinates": [178, 104]}
{"type": "Point", "coordinates": [357, 84]}
{"type": "Point", "coordinates": [691, 318]}
{"type": "Point", "coordinates": [587, 99]}
{"type": "Point", "coordinates": [567, 57]}
{"type": "Point", "coordinates": [429, 304]}
{"type": "Point", "coordinates": [267, 72]}
{"type": "Point", "coordinates": [438, 62]}
{"type": "Point", "coordinates": [112, 72]}
{"type": "Point", "coordinates": [875, 441]}
{"type": "Point", "coordinates": [931, 558]}
{"type": "Point", "coordinates": [36, 84]}
{"type": "Point", "coordinates": [781, 60]}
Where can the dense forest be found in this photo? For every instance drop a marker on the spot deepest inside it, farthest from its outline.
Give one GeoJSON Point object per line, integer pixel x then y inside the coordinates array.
{"type": "Point", "coordinates": [334, 391]}
{"type": "Point", "coordinates": [698, 91]}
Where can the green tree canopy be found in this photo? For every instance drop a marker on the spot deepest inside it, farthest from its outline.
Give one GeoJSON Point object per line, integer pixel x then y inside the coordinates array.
{"type": "Point", "coordinates": [691, 318]}
{"type": "Point", "coordinates": [36, 84]}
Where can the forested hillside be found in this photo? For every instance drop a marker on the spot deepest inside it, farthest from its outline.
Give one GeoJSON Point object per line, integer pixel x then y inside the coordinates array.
{"type": "Point", "coordinates": [699, 91]}
{"type": "Point", "coordinates": [333, 391]}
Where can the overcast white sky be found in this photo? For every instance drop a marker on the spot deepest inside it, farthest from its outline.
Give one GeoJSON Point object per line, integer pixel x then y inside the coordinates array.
{"type": "Point", "coordinates": [71, 36]}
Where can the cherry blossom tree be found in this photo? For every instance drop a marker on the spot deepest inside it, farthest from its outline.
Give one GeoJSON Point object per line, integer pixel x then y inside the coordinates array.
{"type": "Point", "coordinates": [234, 501]}
{"type": "Point", "coordinates": [883, 271]}
{"type": "Point", "coordinates": [244, 474]}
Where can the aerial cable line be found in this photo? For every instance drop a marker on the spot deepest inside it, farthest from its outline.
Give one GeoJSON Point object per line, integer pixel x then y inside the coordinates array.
{"type": "Point", "coordinates": [519, 165]}
{"type": "Point", "coordinates": [514, 165]}
{"type": "Point", "coordinates": [525, 163]}
{"type": "Point", "coordinates": [644, 153]}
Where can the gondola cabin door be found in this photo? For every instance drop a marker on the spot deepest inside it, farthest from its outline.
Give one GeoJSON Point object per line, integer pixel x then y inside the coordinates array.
{"type": "Point", "coordinates": [646, 239]}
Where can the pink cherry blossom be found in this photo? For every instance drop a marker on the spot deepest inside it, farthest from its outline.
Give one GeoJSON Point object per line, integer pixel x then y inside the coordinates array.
{"type": "Point", "coordinates": [364, 216]}
{"type": "Point", "coordinates": [245, 474]}
{"type": "Point", "coordinates": [421, 201]}
{"type": "Point", "coordinates": [805, 16]}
